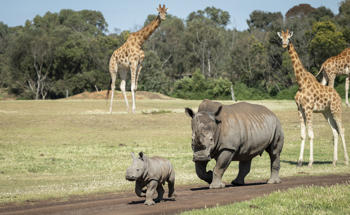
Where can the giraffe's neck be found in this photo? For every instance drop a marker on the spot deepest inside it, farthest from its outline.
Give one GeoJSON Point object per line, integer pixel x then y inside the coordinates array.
{"type": "Point", "coordinates": [146, 31]}
{"type": "Point", "coordinates": [299, 71]}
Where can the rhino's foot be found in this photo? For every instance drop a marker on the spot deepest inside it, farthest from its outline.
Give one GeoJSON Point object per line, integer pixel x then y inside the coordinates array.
{"type": "Point", "coordinates": [149, 202]}
{"type": "Point", "coordinates": [217, 185]}
{"type": "Point", "coordinates": [275, 180]}
{"type": "Point", "coordinates": [172, 196]}
{"type": "Point", "coordinates": [237, 182]}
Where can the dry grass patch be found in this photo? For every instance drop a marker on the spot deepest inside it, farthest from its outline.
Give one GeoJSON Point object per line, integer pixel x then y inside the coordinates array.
{"type": "Point", "coordinates": [65, 147]}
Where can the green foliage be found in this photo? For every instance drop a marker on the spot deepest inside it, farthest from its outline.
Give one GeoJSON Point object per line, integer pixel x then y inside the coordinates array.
{"type": "Point", "coordinates": [287, 93]}
{"type": "Point", "coordinates": [326, 41]}
{"type": "Point", "coordinates": [242, 92]}
{"type": "Point", "coordinates": [73, 49]}
{"type": "Point", "coordinates": [265, 21]}
{"type": "Point", "coordinates": [198, 87]}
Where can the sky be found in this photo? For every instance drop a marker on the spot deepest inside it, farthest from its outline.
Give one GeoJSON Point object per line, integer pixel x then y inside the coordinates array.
{"type": "Point", "coordinates": [131, 14]}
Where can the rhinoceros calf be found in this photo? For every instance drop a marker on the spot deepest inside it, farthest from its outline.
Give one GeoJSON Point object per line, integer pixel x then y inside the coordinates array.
{"type": "Point", "coordinates": [236, 132]}
{"type": "Point", "coordinates": [151, 172]}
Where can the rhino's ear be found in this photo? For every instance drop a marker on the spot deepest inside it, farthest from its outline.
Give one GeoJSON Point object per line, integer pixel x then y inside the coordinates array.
{"type": "Point", "coordinates": [141, 155]}
{"type": "Point", "coordinates": [189, 112]}
{"type": "Point", "coordinates": [217, 113]}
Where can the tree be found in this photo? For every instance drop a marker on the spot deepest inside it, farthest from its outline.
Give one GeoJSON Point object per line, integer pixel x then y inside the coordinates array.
{"type": "Point", "coordinates": [264, 21]}
{"type": "Point", "coordinates": [326, 41]}
{"type": "Point", "coordinates": [299, 11]}
{"type": "Point", "coordinates": [204, 40]}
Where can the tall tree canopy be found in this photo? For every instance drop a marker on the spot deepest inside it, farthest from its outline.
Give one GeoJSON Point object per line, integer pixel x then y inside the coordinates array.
{"type": "Point", "coordinates": [68, 52]}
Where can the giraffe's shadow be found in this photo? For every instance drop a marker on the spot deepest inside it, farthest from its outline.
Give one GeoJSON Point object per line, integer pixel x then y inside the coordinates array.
{"type": "Point", "coordinates": [306, 163]}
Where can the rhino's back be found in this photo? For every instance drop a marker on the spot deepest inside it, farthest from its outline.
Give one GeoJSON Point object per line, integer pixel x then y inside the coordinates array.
{"type": "Point", "coordinates": [247, 128]}
{"type": "Point", "coordinates": [209, 106]}
{"type": "Point", "coordinates": [159, 169]}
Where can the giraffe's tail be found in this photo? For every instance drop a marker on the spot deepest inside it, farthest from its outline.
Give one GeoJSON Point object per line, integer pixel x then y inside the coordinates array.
{"type": "Point", "coordinates": [319, 71]}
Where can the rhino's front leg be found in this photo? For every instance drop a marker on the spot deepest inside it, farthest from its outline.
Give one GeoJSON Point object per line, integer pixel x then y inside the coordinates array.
{"type": "Point", "coordinates": [222, 162]}
{"type": "Point", "coordinates": [151, 188]}
{"type": "Point", "coordinates": [138, 189]}
{"type": "Point", "coordinates": [201, 170]}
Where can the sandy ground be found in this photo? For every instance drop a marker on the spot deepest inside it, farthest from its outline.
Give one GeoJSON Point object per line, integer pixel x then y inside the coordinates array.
{"type": "Point", "coordinates": [188, 197]}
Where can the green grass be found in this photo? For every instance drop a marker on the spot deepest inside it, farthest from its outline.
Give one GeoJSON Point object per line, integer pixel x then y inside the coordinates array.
{"type": "Point", "coordinates": [54, 149]}
{"type": "Point", "coordinates": [302, 200]}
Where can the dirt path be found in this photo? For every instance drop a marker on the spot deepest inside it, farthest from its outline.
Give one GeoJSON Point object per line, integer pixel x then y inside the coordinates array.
{"type": "Point", "coordinates": [188, 197]}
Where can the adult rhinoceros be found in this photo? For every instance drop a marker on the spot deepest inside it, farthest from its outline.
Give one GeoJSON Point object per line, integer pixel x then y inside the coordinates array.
{"type": "Point", "coordinates": [236, 132]}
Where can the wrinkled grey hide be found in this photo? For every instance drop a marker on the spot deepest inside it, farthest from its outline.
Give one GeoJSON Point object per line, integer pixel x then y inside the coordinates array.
{"type": "Point", "coordinates": [151, 172]}
{"type": "Point", "coordinates": [236, 132]}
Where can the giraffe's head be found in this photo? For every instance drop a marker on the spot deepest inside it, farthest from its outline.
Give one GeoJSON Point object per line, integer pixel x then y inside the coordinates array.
{"type": "Point", "coordinates": [162, 12]}
{"type": "Point", "coordinates": [285, 36]}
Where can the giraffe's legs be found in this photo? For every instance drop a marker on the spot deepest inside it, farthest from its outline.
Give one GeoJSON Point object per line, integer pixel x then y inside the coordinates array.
{"type": "Point", "coordinates": [308, 115]}
{"type": "Point", "coordinates": [331, 80]}
{"type": "Point", "coordinates": [347, 90]}
{"type": "Point", "coordinates": [122, 88]}
{"type": "Point", "coordinates": [138, 75]}
{"type": "Point", "coordinates": [333, 125]}
{"type": "Point", "coordinates": [340, 130]}
{"type": "Point", "coordinates": [324, 79]}
{"type": "Point", "coordinates": [133, 69]}
{"type": "Point", "coordinates": [123, 76]}
{"type": "Point", "coordinates": [302, 134]}
{"type": "Point", "coordinates": [141, 57]}
{"type": "Point", "coordinates": [113, 77]}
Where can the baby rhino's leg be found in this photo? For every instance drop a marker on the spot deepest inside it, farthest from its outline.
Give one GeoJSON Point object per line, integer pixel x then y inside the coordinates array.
{"type": "Point", "coordinates": [138, 190]}
{"type": "Point", "coordinates": [171, 185]}
{"type": "Point", "coordinates": [160, 191]}
{"type": "Point", "coordinates": [151, 188]}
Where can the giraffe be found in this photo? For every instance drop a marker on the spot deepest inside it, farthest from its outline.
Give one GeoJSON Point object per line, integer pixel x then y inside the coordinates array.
{"type": "Point", "coordinates": [337, 65]}
{"type": "Point", "coordinates": [130, 56]}
{"type": "Point", "coordinates": [312, 97]}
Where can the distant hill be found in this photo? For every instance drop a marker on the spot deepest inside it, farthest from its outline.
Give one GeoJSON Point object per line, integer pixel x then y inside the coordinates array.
{"type": "Point", "coordinates": [119, 96]}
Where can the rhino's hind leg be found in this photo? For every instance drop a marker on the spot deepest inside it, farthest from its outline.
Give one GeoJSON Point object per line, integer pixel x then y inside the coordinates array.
{"type": "Point", "coordinates": [244, 169]}
{"type": "Point", "coordinates": [160, 191]}
{"type": "Point", "coordinates": [222, 162]}
{"type": "Point", "coordinates": [275, 167]}
{"type": "Point", "coordinates": [171, 185]}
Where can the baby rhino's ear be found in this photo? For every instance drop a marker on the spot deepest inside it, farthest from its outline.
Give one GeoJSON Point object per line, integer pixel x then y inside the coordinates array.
{"type": "Point", "coordinates": [141, 155]}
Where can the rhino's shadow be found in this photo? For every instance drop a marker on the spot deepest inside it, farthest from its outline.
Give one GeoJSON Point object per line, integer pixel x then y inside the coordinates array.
{"type": "Point", "coordinates": [306, 163]}
{"type": "Point", "coordinates": [230, 185]}
{"type": "Point", "coordinates": [156, 201]}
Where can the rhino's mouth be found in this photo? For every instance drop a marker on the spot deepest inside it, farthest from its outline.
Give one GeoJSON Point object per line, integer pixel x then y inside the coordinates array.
{"type": "Point", "coordinates": [130, 178]}
{"type": "Point", "coordinates": [201, 156]}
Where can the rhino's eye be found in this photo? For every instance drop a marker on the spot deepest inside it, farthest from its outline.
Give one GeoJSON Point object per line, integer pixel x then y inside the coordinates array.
{"type": "Point", "coordinates": [137, 169]}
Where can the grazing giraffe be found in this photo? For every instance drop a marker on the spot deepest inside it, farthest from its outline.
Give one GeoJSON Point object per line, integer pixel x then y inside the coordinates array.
{"type": "Point", "coordinates": [314, 97]}
{"type": "Point", "coordinates": [130, 56]}
{"type": "Point", "coordinates": [337, 65]}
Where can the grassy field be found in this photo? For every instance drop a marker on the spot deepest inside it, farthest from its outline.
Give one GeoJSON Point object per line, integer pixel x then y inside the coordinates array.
{"type": "Point", "coordinates": [54, 149]}
{"type": "Point", "coordinates": [301, 200]}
